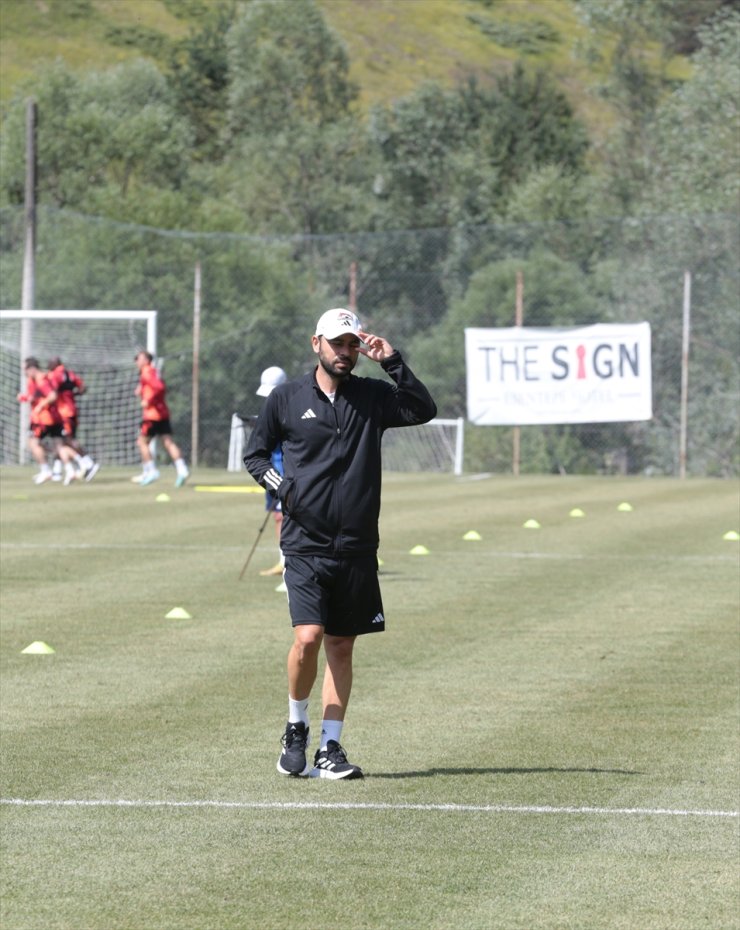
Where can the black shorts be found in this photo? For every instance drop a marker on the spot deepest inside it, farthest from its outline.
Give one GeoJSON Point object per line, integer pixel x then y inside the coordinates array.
{"type": "Point", "coordinates": [343, 595]}
{"type": "Point", "coordinates": [152, 428]}
{"type": "Point", "coordinates": [69, 425]}
{"type": "Point", "coordinates": [47, 432]}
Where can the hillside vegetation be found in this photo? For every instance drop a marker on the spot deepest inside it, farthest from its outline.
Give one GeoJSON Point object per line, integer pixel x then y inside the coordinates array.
{"type": "Point", "coordinates": [393, 46]}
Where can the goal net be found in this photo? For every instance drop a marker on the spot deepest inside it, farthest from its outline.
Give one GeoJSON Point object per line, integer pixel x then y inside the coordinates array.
{"type": "Point", "coordinates": [99, 345]}
{"type": "Point", "coordinates": [436, 446]}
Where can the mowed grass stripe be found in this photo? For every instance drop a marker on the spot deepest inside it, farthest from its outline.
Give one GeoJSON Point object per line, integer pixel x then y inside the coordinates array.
{"type": "Point", "coordinates": [587, 666]}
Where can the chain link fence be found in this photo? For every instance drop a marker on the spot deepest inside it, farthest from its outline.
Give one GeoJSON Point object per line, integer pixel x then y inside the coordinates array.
{"type": "Point", "coordinates": [260, 298]}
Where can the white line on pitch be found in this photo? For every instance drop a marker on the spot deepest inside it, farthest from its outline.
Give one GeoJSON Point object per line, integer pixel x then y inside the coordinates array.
{"type": "Point", "coordinates": [363, 806]}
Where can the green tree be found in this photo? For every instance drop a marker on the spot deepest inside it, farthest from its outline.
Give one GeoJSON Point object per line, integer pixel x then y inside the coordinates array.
{"type": "Point", "coordinates": [696, 159]}
{"type": "Point", "coordinates": [450, 157]}
{"type": "Point", "coordinates": [287, 69]}
{"type": "Point", "coordinates": [198, 72]}
{"type": "Point", "coordinates": [100, 137]}
{"type": "Point", "coordinates": [296, 161]}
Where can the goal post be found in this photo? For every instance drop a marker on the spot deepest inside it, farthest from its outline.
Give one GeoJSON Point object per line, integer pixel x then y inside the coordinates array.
{"type": "Point", "coordinates": [437, 446]}
{"type": "Point", "coordinates": [97, 344]}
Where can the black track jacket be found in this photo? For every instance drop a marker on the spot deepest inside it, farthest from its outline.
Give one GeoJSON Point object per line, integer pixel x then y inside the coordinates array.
{"type": "Point", "coordinates": [330, 494]}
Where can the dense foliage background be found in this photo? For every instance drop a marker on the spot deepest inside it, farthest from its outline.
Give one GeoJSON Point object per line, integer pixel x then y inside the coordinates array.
{"type": "Point", "coordinates": [595, 150]}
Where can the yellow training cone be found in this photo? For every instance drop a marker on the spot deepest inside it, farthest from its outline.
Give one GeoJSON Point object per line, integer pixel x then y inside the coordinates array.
{"type": "Point", "coordinates": [162, 498]}
{"type": "Point", "coordinates": [731, 536]}
{"type": "Point", "coordinates": [419, 550]}
{"type": "Point", "coordinates": [531, 525]}
{"type": "Point", "coordinates": [577, 512]}
{"type": "Point", "coordinates": [624, 507]}
{"type": "Point", "coordinates": [38, 648]}
{"type": "Point", "coordinates": [178, 613]}
{"type": "Point", "coordinates": [472, 535]}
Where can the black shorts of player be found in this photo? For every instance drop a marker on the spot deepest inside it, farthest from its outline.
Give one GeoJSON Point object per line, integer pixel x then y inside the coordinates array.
{"type": "Point", "coordinates": [69, 424]}
{"type": "Point", "coordinates": [343, 595]}
{"type": "Point", "coordinates": [152, 428]}
{"type": "Point", "coordinates": [47, 432]}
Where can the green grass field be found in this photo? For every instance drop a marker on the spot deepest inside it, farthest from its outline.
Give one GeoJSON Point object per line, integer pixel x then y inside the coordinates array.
{"type": "Point", "coordinates": [548, 727]}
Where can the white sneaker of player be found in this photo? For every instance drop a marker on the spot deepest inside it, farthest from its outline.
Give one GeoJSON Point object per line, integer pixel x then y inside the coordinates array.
{"type": "Point", "coordinates": [92, 471]}
{"type": "Point", "coordinates": [70, 476]}
{"type": "Point", "coordinates": [42, 477]}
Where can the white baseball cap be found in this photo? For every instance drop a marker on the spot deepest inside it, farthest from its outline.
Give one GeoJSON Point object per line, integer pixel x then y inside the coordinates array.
{"type": "Point", "coordinates": [269, 379]}
{"type": "Point", "coordinates": [337, 322]}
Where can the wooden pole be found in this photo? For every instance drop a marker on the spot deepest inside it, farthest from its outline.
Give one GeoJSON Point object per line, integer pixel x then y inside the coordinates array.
{"type": "Point", "coordinates": [685, 373]}
{"type": "Point", "coordinates": [28, 295]}
{"type": "Point", "coordinates": [518, 321]}
{"type": "Point", "coordinates": [194, 438]}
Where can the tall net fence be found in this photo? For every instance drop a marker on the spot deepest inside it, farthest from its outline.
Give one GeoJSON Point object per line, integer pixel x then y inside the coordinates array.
{"type": "Point", "coordinates": [260, 298]}
{"type": "Point", "coordinates": [99, 347]}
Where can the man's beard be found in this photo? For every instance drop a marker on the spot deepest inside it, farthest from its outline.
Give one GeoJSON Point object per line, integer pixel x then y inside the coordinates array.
{"type": "Point", "coordinates": [333, 373]}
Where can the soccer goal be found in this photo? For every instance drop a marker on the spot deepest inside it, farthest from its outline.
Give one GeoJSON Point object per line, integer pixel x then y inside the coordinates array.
{"type": "Point", "coordinates": [436, 446]}
{"type": "Point", "coordinates": [97, 344]}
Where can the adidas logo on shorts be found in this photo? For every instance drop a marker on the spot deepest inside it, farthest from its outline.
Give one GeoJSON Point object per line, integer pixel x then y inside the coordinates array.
{"type": "Point", "coordinates": [379, 618]}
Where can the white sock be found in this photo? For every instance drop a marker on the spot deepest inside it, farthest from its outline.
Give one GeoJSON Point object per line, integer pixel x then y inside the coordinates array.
{"type": "Point", "coordinates": [182, 468]}
{"type": "Point", "coordinates": [148, 468]}
{"type": "Point", "coordinates": [297, 711]}
{"type": "Point", "coordinates": [330, 729]}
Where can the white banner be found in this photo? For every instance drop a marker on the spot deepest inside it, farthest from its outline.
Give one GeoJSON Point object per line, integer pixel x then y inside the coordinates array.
{"type": "Point", "coordinates": [589, 374]}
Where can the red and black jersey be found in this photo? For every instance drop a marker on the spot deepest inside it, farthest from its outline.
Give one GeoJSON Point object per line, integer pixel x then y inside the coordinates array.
{"type": "Point", "coordinates": [42, 414]}
{"type": "Point", "coordinates": [153, 390]}
{"type": "Point", "coordinates": [67, 384]}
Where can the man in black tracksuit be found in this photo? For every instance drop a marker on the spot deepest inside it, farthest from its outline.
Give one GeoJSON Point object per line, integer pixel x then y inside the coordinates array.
{"type": "Point", "coordinates": [330, 424]}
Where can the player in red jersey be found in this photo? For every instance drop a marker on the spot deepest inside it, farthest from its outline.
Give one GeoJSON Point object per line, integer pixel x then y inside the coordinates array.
{"type": "Point", "coordinates": [155, 421]}
{"type": "Point", "coordinates": [68, 386]}
{"type": "Point", "coordinates": [45, 423]}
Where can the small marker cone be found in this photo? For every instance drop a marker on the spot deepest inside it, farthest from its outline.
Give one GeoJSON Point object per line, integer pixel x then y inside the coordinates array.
{"type": "Point", "coordinates": [624, 507]}
{"type": "Point", "coordinates": [178, 613]}
{"type": "Point", "coordinates": [419, 550]}
{"type": "Point", "coordinates": [731, 536]}
{"type": "Point", "coordinates": [38, 648]}
{"type": "Point", "coordinates": [531, 525]}
{"type": "Point", "coordinates": [472, 535]}
{"type": "Point", "coordinates": [380, 563]}
{"type": "Point", "coordinates": [162, 498]}
{"type": "Point", "coordinates": [282, 588]}
{"type": "Point", "coordinates": [577, 512]}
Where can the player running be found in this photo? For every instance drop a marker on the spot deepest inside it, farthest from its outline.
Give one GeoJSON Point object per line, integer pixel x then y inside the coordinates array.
{"type": "Point", "coordinates": [68, 386]}
{"type": "Point", "coordinates": [45, 424]}
{"type": "Point", "coordinates": [155, 421]}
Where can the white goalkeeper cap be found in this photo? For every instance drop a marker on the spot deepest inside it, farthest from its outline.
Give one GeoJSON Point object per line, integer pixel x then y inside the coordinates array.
{"type": "Point", "coordinates": [269, 379]}
{"type": "Point", "coordinates": [337, 322]}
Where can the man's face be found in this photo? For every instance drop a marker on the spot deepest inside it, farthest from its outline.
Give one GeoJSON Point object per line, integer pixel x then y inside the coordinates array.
{"type": "Point", "coordinates": [337, 356]}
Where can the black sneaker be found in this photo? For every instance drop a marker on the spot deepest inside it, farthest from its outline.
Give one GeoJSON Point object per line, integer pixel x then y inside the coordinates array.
{"type": "Point", "coordinates": [332, 763]}
{"type": "Point", "coordinates": [292, 760]}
